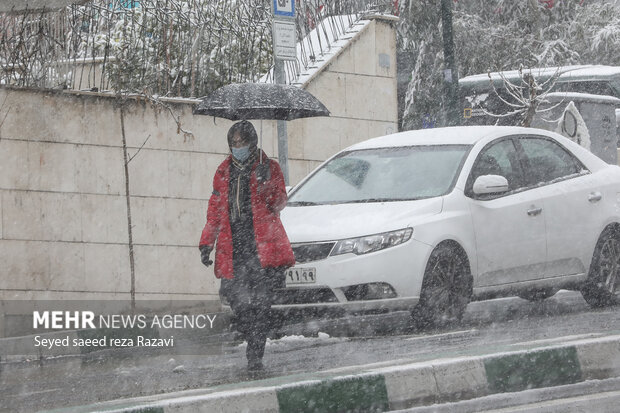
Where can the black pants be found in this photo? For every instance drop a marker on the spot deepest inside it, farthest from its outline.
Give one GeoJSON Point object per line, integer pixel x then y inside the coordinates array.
{"type": "Point", "coordinates": [250, 295]}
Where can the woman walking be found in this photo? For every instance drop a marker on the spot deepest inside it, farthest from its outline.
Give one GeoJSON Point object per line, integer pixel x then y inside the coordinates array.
{"type": "Point", "coordinates": [252, 249]}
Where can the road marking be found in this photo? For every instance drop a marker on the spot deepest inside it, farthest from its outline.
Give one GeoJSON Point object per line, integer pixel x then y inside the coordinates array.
{"type": "Point", "coordinates": [558, 339]}
{"type": "Point", "coordinates": [38, 392]}
{"type": "Point", "coordinates": [367, 366]}
{"type": "Point", "coordinates": [453, 333]}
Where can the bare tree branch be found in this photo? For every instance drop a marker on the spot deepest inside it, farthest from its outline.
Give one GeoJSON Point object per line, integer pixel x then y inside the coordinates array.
{"type": "Point", "coordinates": [139, 149]}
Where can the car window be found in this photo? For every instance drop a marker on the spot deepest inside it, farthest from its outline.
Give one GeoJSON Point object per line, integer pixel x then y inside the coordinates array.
{"type": "Point", "coordinates": [547, 161]}
{"type": "Point", "coordinates": [591, 87]}
{"type": "Point", "coordinates": [499, 159]}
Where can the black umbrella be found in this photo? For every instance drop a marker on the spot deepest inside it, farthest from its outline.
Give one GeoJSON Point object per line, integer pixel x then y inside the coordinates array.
{"type": "Point", "coordinates": [245, 101]}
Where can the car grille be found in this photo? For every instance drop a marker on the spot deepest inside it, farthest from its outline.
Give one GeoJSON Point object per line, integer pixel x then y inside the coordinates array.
{"type": "Point", "coordinates": [312, 252]}
{"type": "Point", "coordinates": [303, 296]}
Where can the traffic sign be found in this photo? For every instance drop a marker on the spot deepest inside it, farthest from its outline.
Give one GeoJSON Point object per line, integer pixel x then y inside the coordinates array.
{"type": "Point", "coordinates": [284, 8]}
{"type": "Point", "coordinates": [285, 39]}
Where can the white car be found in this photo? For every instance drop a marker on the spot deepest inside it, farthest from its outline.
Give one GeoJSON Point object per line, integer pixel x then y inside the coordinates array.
{"type": "Point", "coordinates": [427, 220]}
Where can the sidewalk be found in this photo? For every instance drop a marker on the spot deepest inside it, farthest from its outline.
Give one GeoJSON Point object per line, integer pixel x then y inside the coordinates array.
{"type": "Point", "coordinates": [394, 385]}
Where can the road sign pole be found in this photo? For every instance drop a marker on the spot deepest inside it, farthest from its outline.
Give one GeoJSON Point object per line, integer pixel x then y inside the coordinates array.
{"type": "Point", "coordinates": [284, 48]}
{"type": "Point", "coordinates": [280, 78]}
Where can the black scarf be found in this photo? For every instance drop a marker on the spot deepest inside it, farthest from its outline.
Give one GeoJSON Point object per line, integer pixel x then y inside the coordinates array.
{"type": "Point", "coordinates": [239, 200]}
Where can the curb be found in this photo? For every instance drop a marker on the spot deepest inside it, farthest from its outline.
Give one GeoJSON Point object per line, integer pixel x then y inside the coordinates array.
{"type": "Point", "coordinates": [396, 387]}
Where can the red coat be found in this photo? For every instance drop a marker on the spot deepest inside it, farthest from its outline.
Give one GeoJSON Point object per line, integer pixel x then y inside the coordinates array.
{"type": "Point", "coordinates": [267, 199]}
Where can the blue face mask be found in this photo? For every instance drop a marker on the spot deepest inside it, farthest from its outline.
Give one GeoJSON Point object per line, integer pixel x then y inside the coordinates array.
{"type": "Point", "coordinates": [241, 154]}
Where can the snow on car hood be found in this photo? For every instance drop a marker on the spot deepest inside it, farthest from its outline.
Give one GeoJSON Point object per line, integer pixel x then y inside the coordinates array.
{"type": "Point", "coordinates": [334, 222]}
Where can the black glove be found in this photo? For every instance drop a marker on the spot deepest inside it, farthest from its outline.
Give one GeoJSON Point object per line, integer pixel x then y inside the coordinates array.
{"type": "Point", "coordinates": [263, 171]}
{"type": "Point", "coordinates": [205, 251]}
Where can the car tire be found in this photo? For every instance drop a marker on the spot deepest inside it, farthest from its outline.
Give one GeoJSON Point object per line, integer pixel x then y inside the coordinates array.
{"type": "Point", "coordinates": [601, 287]}
{"type": "Point", "coordinates": [446, 288]}
{"type": "Point", "coordinates": [537, 295]}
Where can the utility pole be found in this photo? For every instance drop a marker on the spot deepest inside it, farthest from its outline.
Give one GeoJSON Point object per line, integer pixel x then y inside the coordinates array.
{"type": "Point", "coordinates": [452, 105]}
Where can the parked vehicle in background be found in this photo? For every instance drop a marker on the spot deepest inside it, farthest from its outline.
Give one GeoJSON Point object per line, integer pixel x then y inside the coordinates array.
{"type": "Point", "coordinates": [478, 96]}
{"type": "Point", "coordinates": [595, 90]}
{"type": "Point", "coordinates": [428, 220]}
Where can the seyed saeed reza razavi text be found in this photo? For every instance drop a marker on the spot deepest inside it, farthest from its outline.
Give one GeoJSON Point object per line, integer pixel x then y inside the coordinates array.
{"type": "Point", "coordinates": [103, 342]}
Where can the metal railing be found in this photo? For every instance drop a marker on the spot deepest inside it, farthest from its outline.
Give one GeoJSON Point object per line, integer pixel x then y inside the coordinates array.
{"type": "Point", "coordinates": [180, 48]}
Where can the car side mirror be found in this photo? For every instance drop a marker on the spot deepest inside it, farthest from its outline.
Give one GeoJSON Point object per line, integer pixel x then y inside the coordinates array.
{"type": "Point", "coordinates": [490, 184]}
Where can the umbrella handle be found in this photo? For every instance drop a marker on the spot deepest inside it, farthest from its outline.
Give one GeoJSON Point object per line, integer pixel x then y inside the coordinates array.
{"type": "Point", "coordinates": [261, 142]}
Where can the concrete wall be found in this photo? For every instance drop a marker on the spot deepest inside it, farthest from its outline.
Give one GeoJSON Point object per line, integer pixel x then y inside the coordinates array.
{"type": "Point", "coordinates": [63, 209]}
{"type": "Point", "coordinates": [359, 88]}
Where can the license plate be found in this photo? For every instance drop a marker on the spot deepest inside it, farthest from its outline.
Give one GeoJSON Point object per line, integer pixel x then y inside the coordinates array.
{"type": "Point", "coordinates": [300, 276]}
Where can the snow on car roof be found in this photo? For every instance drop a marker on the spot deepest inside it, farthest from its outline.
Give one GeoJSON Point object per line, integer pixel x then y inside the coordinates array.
{"type": "Point", "coordinates": [457, 135]}
{"type": "Point", "coordinates": [566, 73]}
{"type": "Point", "coordinates": [568, 96]}
{"type": "Point", "coordinates": [593, 71]}
{"type": "Point", "coordinates": [511, 74]}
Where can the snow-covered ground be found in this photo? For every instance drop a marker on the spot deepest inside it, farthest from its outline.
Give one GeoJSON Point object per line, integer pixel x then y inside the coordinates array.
{"type": "Point", "coordinates": [298, 339]}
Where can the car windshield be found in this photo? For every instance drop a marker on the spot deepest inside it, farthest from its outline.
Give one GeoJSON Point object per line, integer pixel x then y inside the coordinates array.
{"type": "Point", "coordinates": [384, 174]}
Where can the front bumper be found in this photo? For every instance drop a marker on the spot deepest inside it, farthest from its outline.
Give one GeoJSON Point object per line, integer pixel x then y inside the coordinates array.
{"type": "Point", "coordinates": [400, 267]}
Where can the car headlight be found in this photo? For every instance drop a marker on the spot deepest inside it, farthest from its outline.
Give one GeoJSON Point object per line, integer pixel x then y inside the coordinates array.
{"type": "Point", "coordinates": [372, 243]}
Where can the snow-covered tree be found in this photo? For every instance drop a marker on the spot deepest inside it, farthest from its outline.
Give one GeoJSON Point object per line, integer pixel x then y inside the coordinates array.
{"type": "Point", "coordinates": [419, 35]}
{"type": "Point", "coordinates": [180, 47]}
{"type": "Point", "coordinates": [162, 47]}
{"type": "Point", "coordinates": [499, 35]}
{"type": "Point", "coordinates": [523, 96]}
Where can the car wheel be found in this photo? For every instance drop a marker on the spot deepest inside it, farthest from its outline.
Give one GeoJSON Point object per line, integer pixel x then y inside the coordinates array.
{"type": "Point", "coordinates": [601, 286]}
{"type": "Point", "coordinates": [537, 295]}
{"type": "Point", "coordinates": [446, 288]}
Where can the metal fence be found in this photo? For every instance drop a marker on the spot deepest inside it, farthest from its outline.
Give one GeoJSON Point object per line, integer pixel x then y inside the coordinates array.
{"type": "Point", "coordinates": [181, 48]}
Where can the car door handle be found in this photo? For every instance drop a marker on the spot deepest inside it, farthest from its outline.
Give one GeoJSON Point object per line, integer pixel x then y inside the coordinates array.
{"type": "Point", "coordinates": [595, 196]}
{"type": "Point", "coordinates": [533, 211]}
